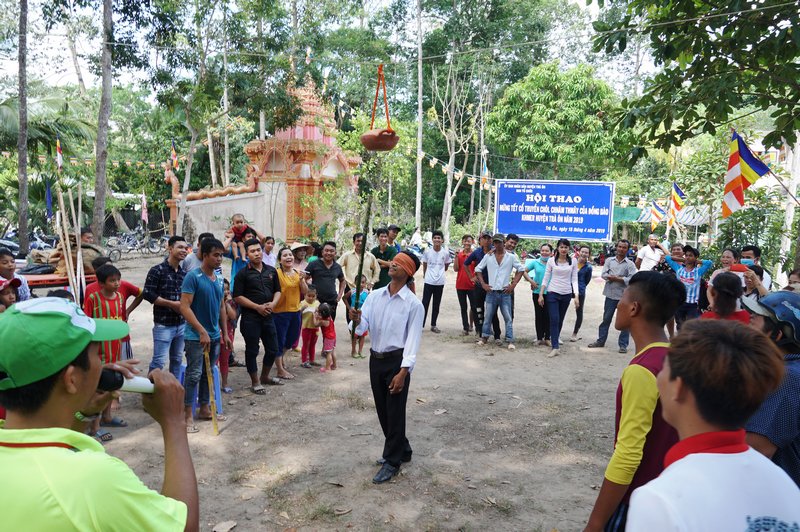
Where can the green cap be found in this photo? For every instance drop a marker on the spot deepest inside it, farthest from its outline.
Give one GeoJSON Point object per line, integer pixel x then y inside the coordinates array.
{"type": "Point", "coordinates": [41, 336]}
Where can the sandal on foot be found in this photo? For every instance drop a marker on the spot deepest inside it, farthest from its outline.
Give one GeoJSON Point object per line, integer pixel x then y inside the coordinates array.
{"type": "Point", "coordinates": [114, 422]}
{"type": "Point", "coordinates": [273, 381]}
{"type": "Point", "coordinates": [102, 436]}
{"type": "Point", "coordinates": [227, 389]}
{"type": "Point", "coordinates": [191, 429]}
{"type": "Point", "coordinates": [286, 377]}
{"type": "Point", "coordinates": [258, 390]}
{"type": "Point", "coordinates": [323, 370]}
{"type": "Point", "coordinates": [220, 417]}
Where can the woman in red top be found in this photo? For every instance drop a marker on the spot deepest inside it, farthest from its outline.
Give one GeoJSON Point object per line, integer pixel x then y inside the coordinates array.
{"type": "Point", "coordinates": [723, 294]}
{"type": "Point", "coordinates": [464, 284]}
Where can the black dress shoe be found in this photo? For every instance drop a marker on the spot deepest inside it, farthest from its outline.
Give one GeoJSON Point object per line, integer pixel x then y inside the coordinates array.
{"type": "Point", "coordinates": [405, 459]}
{"type": "Point", "coordinates": [385, 474]}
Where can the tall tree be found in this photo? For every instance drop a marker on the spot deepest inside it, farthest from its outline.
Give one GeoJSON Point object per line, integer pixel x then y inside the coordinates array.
{"type": "Point", "coordinates": [101, 151]}
{"type": "Point", "coordinates": [22, 137]}
{"type": "Point", "coordinates": [557, 122]}
{"type": "Point", "coordinates": [715, 58]}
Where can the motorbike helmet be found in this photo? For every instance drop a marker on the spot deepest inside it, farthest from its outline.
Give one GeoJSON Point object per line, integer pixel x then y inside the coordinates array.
{"type": "Point", "coordinates": [781, 308]}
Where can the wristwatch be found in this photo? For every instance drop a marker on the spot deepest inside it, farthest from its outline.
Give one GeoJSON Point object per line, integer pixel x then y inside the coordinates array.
{"type": "Point", "coordinates": [80, 416]}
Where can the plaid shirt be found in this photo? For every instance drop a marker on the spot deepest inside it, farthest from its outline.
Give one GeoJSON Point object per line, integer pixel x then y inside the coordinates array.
{"type": "Point", "coordinates": [165, 282]}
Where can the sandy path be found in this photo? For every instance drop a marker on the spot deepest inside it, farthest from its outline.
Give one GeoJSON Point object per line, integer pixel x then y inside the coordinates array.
{"type": "Point", "coordinates": [521, 446]}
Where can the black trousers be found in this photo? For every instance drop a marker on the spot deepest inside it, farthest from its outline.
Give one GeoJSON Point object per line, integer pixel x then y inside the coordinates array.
{"type": "Point", "coordinates": [435, 291]}
{"type": "Point", "coordinates": [542, 316]}
{"type": "Point", "coordinates": [479, 297]}
{"type": "Point", "coordinates": [391, 408]}
{"type": "Point", "coordinates": [579, 314]}
{"type": "Point", "coordinates": [255, 330]}
{"type": "Point", "coordinates": [333, 304]}
{"type": "Point", "coordinates": [463, 297]}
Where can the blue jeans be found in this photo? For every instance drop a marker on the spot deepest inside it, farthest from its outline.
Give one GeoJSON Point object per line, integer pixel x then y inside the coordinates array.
{"type": "Point", "coordinates": [287, 325]}
{"type": "Point", "coordinates": [196, 371]}
{"type": "Point", "coordinates": [557, 306]}
{"type": "Point", "coordinates": [609, 307]}
{"type": "Point", "coordinates": [495, 300]}
{"type": "Point", "coordinates": [167, 344]}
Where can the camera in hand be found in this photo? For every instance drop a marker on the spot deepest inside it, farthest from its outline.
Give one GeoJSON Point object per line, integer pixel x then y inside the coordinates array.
{"type": "Point", "coordinates": [111, 380]}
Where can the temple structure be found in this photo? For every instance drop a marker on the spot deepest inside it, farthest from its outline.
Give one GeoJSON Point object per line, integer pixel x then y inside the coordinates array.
{"type": "Point", "coordinates": [284, 169]}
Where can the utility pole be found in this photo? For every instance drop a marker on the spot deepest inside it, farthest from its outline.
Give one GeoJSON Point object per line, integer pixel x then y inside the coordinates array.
{"type": "Point", "coordinates": [418, 203]}
{"type": "Point", "coordinates": [226, 178]}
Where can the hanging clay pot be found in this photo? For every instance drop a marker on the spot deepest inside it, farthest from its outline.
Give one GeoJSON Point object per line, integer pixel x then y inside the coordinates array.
{"type": "Point", "coordinates": [380, 139]}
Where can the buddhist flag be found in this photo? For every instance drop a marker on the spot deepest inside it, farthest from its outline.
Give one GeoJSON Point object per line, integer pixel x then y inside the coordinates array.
{"type": "Point", "coordinates": [175, 164]}
{"type": "Point", "coordinates": [59, 155]}
{"type": "Point", "coordinates": [676, 202]}
{"type": "Point", "coordinates": [656, 215]}
{"type": "Point", "coordinates": [744, 169]}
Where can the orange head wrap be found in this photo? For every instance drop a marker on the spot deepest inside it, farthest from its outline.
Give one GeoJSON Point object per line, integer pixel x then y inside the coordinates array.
{"type": "Point", "coordinates": [406, 262]}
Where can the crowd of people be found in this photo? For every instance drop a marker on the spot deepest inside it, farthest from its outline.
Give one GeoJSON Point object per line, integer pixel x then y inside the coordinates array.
{"type": "Point", "coordinates": [711, 395]}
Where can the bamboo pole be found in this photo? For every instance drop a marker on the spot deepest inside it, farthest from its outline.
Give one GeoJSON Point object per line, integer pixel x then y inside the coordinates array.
{"type": "Point", "coordinates": [361, 264]}
{"type": "Point", "coordinates": [79, 281]}
{"type": "Point", "coordinates": [66, 248]}
{"type": "Point", "coordinates": [213, 400]}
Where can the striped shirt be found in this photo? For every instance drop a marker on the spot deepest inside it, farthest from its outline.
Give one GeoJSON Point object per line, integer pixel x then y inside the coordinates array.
{"type": "Point", "coordinates": [98, 306]}
{"type": "Point", "coordinates": [690, 278]}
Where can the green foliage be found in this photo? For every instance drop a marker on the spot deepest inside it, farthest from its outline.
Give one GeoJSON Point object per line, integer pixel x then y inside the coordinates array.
{"type": "Point", "coordinates": [553, 118]}
{"type": "Point", "coordinates": [759, 223]}
{"type": "Point", "coordinates": [739, 54]}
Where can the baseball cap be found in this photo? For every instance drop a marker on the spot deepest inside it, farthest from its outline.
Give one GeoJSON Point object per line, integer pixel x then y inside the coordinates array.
{"type": "Point", "coordinates": [393, 227]}
{"type": "Point", "coordinates": [41, 336]}
{"type": "Point", "coordinates": [14, 283]}
{"type": "Point", "coordinates": [498, 236]}
{"type": "Point", "coordinates": [486, 234]}
{"type": "Point", "coordinates": [754, 307]}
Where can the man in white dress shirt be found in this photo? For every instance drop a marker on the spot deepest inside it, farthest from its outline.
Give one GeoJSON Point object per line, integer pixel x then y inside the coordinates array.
{"type": "Point", "coordinates": [650, 255]}
{"type": "Point", "coordinates": [393, 316]}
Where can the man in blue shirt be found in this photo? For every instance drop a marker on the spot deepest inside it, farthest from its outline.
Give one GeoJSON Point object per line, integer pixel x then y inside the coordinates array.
{"type": "Point", "coordinates": [774, 430]}
{"type": "Point", "coordinates": [202, 305]}
{"type": "Point", "coordinates": [691, 275]}
{"type": "Point", "coordinates": [479, 295]}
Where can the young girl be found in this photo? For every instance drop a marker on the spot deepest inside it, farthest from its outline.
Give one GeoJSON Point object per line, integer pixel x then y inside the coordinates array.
{"type": "Point", "coordinates": [723, 294]}
{"type": "Point", "coordinates": [310, 328]}
{"type": "Point", "coordinates": [231, 313]}
{"type": "Point", "coordinates": [238, 227]}
{"type": "Point", "coordinates": [561, 284]}
{"type": "Point", "coordinates": [355, 338]}
{"type": "Point", "coordinates": [323, 319]}
{"type": "Point", "coordinates": [8, 292]}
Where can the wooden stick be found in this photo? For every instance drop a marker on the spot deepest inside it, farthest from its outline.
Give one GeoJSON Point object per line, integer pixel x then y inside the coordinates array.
{"type": "Point", "coordinates": [211, 391]}
{"type": "Point", "coordinates": [66, 248]}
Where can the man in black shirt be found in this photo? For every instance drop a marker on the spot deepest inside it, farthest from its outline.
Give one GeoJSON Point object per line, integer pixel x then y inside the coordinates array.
{"type": "Point", "coordinates": [324, 274]}
{"type": "Point", "coordinates": [162, 289]}
{"type": "Point", "coordinates": [256, 289]}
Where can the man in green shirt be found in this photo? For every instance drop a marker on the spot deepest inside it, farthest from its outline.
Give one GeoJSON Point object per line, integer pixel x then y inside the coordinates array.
{"type": "Point", "coordinates": [57, 477]}
{"type": "Point", "coordinates": [384, 253]}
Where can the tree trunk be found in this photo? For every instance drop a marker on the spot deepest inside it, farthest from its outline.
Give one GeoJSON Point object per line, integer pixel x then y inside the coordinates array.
{"type": "Point", "coordinates": [211, 157]}
{"type": "Point", "coordinates": [74, 54]}
{"type": "Point", "coordinates": [22, 138]}
{"type": "Point", "coordinates": [101, 155]}
{"type": "Point", "coordinates": [448, 196]}
{"type": "Point", "coordinates": [418, 202]}
{"type": "Point", "coordinates": [187, 176]}
{"type": "Point", "coordinates": [789, 219]}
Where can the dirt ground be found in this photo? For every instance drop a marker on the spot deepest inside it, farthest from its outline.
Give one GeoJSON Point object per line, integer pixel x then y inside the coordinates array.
{"type": "Point", "coordinates": [502, 440]}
